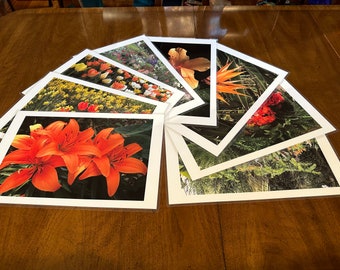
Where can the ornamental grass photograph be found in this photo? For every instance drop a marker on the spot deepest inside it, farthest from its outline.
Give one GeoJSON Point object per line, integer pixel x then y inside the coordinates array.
{"type": "Point", "coordinates": [78, 158]}
{"type": "Point", "coordinates": [302, 166]}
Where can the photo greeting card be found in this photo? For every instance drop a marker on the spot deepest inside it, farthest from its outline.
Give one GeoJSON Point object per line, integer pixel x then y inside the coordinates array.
{"type": "Point", "coordinates": [243, 84]}
{"type": "Point", "coordinates": [307, 169]}
{"type": "Point", "coordinates": [195, 61]}
{"type": "Point", "coordinates": [141, 55]}
{"type": "Point", "coordinates": [284, 119]}
{"type": "Point", "coordinates": [81, 159]}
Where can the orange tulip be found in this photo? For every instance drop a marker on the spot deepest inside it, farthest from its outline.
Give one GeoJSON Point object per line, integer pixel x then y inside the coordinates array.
{"type": "Point", "coordinates": [118, 86]}
{"type": "Point", "coordinates": [92, 73]}
{"type": "Point", "coordinates": [93, 108]}
{"type": "Point", "coordinates": [104, 66]}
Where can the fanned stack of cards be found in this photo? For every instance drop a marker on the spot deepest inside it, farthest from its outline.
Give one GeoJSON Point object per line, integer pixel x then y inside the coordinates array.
{"type": "Point", "coordinates": [90, 133]}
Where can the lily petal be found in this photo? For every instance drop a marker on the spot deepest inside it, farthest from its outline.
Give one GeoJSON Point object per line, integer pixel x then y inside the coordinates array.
{"type": "Point", "coordinates": [189, 76]}
{"type": "Point", "coordinates": [200, 64]}
{"type": "Point", "coordinates": [112, 182]}
{"type": "Point", "coordinates": [55, 128]}
{"type": "Point", "coordinates": [132, 149]}
{"type": "Point", "coordinates": [46, 179]}
{"type": "Point", "coordinates": [85, 135]}
{"type": "Point", "coordinates": [106, 141]}
{"type": "Point", "coordinates": [71, 162]}
{"type": "Point", "coordinates": [90, 171]}
{"type": "Point", "coordinates": [82, 165]}
{"type": "Point", "coordinates": [16, 157]}
{"type": "Point", "coordinates": [16, 179]}
{"type": "Point", "coordinates": [86, 149]}
{"type": "Point", "coordinates": [103, 165]}
{"type": "Point", "coordinates": [131, 165]}
{"type": "Point", "coordinates": [23, 142]}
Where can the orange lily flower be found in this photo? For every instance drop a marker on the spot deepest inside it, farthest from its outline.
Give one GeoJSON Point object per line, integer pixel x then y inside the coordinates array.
{"type": "Point", "coordinates": [83, 163]}
{"type": "Point", "coordinates": [37, 130]}
{"type": "Point", "coordinates": [105, 142]}
{"type": "Point", "coordinates": [69, 143]}
{"type": "Point", "coordinates": [115, 159]}
{"type": "Point", "coordinates": [186, 66]}
{"type": "Point", "coordinates": [41, 170]}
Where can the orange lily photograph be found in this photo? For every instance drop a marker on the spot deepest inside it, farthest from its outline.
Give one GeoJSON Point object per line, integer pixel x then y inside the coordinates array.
{"type": "Point", "coordinates": [98, 158]}
{"type": "Point", "coordinates": [194, 60]}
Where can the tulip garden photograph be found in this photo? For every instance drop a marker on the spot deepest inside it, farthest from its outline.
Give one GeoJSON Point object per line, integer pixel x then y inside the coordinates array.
{"type": "Point", "coordinates": [99, 72]}
{"type": "Point", "coordinates": [68, 96]}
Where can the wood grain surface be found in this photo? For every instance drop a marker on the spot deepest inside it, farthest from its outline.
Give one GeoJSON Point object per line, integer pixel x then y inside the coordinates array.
{"type": "Point", "coordinates": [278, 234]}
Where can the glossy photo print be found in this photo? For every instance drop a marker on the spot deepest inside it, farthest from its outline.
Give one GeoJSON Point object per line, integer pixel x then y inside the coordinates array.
{"type": "Point", "coordinates": [284, 119]}
{"type": "Point", "coordinates": [195, 61]}
{"type": "Point", "coordinates": [306, 169]}
{"type": "Point", "coordinates": [81, 159]}
{"type": "Point", "coordinates": [140, 54]}
{"type": "Point", "coordinates": [95, 68]}
{"type": "Point", "coordinates": [243, 83]}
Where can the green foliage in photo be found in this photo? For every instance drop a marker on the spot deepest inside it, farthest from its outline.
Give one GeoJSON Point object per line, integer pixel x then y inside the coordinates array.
{"type": "Point", "coordinates": [289, 121]}
{"type": "Point", "coordinates": [302, 166]}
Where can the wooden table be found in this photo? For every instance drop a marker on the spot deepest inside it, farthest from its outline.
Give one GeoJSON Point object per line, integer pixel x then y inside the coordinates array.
{"type": "Point", "coordinates": [279, 234]}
